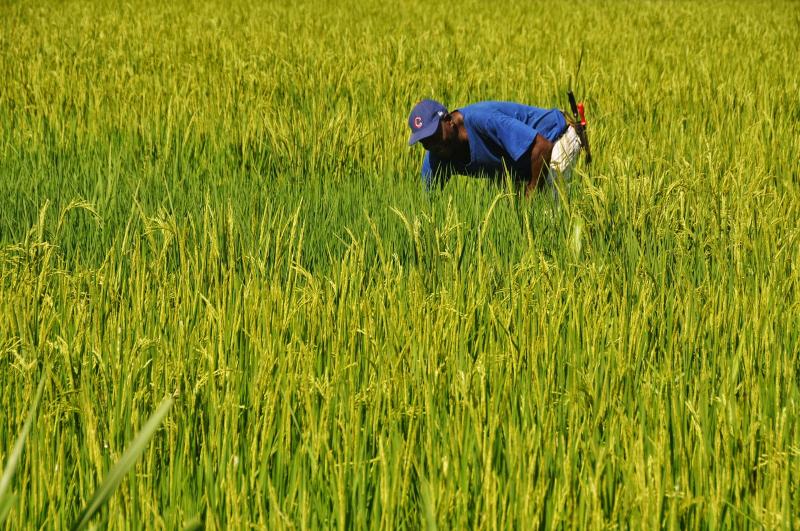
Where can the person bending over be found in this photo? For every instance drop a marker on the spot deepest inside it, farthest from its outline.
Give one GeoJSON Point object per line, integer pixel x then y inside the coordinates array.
{"type": "Point", "coordinates": [490, 138]}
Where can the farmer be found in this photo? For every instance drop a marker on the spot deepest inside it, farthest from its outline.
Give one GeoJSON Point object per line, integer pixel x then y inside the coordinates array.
{"type": "Point", "coordinates": [485, 139]}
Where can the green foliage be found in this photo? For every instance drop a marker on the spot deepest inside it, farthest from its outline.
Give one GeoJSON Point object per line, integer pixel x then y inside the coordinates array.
{"type": "Point", "coordinates": [216, 202]}
{"type": "Point", "coordinates": [8, 497]}
{"type": "Point", "coordinates": [124, 465]}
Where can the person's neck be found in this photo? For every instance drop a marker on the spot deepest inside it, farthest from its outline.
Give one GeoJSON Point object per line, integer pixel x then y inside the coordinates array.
{"type": "Point", "coordinates": [458, 121]}
{"type": "Point", "coordinates": [463, 137]}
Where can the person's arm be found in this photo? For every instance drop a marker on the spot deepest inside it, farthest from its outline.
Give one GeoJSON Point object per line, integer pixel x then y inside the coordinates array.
{"type": "Point", "coordinates": [434, 174]}
{"type": "Point", "coordinates": [541, 150]}
{"type": "Point", "coordinates": [523, 144]}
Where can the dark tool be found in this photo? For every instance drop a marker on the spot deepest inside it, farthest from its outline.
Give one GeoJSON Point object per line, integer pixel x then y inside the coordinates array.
{"type": "Point", "coordinates": [580, 124]}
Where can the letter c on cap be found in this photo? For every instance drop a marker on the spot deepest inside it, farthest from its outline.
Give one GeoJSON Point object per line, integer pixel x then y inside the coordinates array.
{"type": "Point", "coordinates": [417, 122]}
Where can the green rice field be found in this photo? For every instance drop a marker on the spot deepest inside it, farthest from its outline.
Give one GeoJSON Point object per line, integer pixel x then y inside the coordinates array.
{"type": "Point", "coordinates": [210, 220]}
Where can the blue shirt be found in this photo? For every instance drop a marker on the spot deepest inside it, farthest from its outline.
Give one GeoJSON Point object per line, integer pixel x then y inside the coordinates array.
{"type": "Point", "coordinates": [499, 133]}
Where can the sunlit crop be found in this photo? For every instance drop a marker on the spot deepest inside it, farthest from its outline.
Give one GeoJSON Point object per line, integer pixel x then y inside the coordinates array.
{"type": "Point", "coordinates": [212, 205]}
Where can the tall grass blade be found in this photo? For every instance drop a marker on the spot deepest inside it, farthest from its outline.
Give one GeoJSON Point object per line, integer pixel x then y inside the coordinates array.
{"type": "Point", "coordinates": [5, 505]}
{"type": "Point", "coordinates": [194, 524]}
{"type": "Point", "coordinates": [7, 498]}
{"type": "Point", "coordinates": [124, 465]}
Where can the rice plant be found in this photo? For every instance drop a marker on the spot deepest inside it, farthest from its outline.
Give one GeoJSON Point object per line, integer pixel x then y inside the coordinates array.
{"type": "Point", "coordinates": [215, 202]}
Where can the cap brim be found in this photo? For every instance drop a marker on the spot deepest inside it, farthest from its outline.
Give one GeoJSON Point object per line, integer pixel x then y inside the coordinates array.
{"type": "Point", "coordinates": [425, 132]}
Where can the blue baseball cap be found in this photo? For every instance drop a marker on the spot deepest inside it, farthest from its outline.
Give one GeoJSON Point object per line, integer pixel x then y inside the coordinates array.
{"type": "Point", "coordinates": [424, 119]}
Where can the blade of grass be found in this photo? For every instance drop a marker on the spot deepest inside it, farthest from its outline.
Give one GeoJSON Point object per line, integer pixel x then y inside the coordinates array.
{"type": "Point", "coordinates": [194, 524]}
{"type": "Point", "coordinates": [5, 505]}
{"type": "Point", "coordinates": [7, 499]}
{"type": "Point", "coordinates": [125, 463]}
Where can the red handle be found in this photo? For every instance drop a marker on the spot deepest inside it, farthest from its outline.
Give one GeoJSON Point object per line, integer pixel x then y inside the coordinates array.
{"type": "Point", "coordinates": [580, 113]}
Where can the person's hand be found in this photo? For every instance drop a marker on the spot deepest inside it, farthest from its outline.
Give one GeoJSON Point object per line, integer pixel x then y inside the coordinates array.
{"type": "Point", "coordinates": [540, 160]}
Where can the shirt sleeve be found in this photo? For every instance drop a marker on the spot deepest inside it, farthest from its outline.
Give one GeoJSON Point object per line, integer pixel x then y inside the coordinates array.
{"type": "Point", "coordinates": [433, 172]}
{"type": "Point", "coordinates": [511, 135]}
